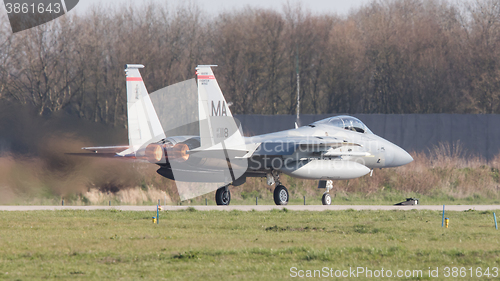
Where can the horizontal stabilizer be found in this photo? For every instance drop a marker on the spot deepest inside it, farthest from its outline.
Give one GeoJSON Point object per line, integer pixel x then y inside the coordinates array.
{"type": "Point", "coordinates": [106, 149]}
{"type": "Point", "coordinates": [95, 155]}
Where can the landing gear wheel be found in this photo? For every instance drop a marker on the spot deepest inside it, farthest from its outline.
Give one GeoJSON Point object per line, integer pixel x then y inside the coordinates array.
{"type": "Point", "coordinates": [223, 196]}
{"type": "Point", "coordinates": [326, 199]}
{"type": "Point", "coordinates": [280, 195]}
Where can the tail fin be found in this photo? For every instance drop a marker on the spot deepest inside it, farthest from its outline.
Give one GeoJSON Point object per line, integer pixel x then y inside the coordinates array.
{"type": "Point", "coordinates": [216, 121]}
{"type": "Point", "coordinates": [144, 126]}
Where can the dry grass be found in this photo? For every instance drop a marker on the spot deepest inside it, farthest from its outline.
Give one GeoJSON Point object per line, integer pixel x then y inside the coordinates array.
{"type": "Point", "coordinates": [130, 196]}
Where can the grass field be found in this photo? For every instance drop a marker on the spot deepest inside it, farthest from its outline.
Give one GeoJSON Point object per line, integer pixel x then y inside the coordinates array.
{"type": "Point", "coordinates": [215, 245]}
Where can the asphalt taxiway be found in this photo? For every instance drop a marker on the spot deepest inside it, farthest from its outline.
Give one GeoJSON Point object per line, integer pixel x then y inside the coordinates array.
{"type": "Point", "coordinates": [259, 207]}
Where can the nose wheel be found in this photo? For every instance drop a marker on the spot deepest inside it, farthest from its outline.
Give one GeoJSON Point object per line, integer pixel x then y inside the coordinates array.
{"type": "Point", "coordinates": [326, 199]}
{"type": "Point", "coordinates": [280, 195]}
{"type": "Point", "coordinates": [223, 196]}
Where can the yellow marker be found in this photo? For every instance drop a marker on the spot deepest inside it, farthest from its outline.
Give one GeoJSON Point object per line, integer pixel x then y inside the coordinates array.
{"type": "Point", "coordinates": [154, 220]}
{"type": "Point", "coordinates": [446, 222]}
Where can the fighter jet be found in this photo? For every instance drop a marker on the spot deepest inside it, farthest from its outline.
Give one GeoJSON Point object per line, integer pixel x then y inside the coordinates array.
{"type": "Point", "coordinates": [220, 156]}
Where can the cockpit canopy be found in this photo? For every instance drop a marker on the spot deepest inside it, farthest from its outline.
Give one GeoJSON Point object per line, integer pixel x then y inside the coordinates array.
{"type": "Point", "coordinates": [345, 122]}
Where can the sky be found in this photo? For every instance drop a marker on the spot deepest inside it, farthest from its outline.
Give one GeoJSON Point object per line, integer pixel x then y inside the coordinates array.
{"type": "Point", "coordinates": [214, 7]}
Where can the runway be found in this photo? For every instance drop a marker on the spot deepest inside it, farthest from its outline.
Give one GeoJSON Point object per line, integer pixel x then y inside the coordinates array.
{"type": "Point", "coordinates": [316, 208]}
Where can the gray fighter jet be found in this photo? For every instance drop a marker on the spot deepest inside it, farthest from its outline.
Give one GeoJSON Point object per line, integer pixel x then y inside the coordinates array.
{"type": "Point", "coordinates": [336, 148]}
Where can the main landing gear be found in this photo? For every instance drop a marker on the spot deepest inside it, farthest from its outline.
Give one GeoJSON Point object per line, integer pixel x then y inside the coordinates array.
{"type": "Point", "coordinates": [327, 199]}
{"type": "Point", "coordinates": [223, 196]}
{"type": "Point", "coordinates": [280, 194]}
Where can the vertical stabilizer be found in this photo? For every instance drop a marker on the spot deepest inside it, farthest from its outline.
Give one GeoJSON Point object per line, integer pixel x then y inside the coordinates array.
{"type": "Point", "coordinates": [216, 121]}
{"type": "Point", "coordinates": [143, 124]}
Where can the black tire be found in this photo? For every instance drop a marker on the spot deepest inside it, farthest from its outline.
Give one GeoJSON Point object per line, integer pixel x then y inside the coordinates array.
{"type": "Point", "coordinates": [281, 195]}
{"type": "Point", "coordinates": [326, 199]}
{"type": "Point", "coordinates": [223, 196]}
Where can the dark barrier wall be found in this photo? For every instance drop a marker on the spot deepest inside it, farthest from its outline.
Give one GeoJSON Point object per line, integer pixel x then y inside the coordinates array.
{"type": "Point", "coordinates": [477, 133]}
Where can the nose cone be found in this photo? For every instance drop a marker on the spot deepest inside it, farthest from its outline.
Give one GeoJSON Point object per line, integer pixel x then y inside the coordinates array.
{"type": "Point", "coordinates": [401, 157]}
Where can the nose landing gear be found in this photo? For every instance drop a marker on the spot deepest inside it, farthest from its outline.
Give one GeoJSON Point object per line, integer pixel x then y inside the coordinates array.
{"type": "Point", "coordinates": [280, 195]}
{"type": "Point", "coordinates": [326, 199]}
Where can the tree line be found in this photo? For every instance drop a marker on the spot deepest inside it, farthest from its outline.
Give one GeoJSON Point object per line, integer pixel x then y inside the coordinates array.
{"type": "Point", "coordinates": [394, 56]}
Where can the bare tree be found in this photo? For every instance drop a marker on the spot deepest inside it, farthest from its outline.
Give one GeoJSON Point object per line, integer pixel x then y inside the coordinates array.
{"type": "Point", "coordinates": [392, 56]}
